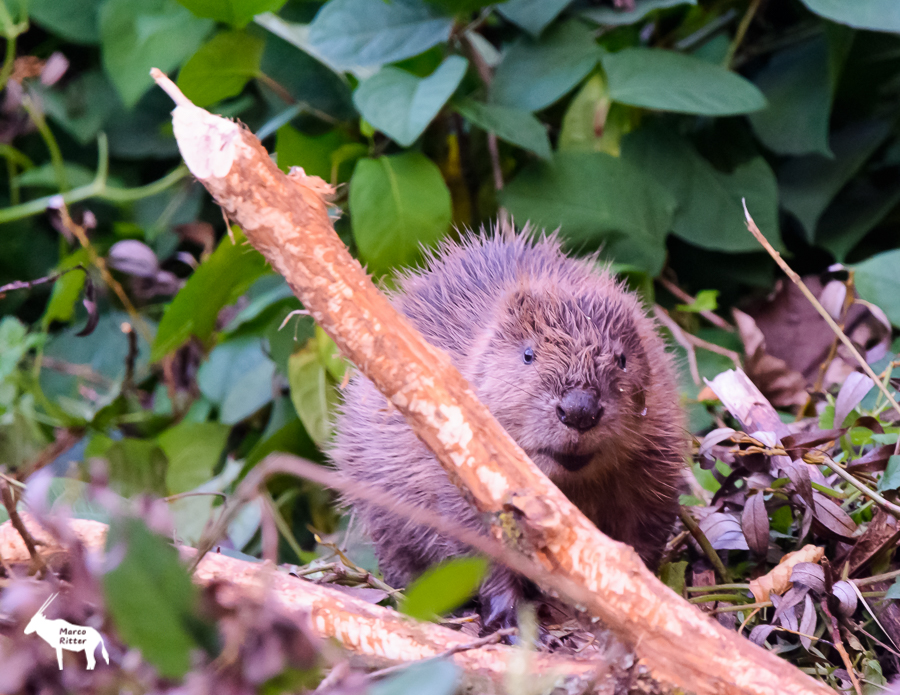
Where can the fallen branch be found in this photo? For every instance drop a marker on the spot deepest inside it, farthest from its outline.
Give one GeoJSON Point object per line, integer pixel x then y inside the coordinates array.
{"type": "Point", "coordinates": [382, 635]}
{"type": "Point", "coordinates": [286, 218]}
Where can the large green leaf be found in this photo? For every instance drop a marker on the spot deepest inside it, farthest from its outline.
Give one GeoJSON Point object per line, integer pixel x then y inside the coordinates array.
{"type": "Point", "coordinates": [797, 85]}
{"type": "Point", "coordinates": [326, 155]}
{"type": "Point", "coordinates": [402, 105]}
{"type": "Point", "coordinates": [875, 15]}
{"type": "Point", "coordinates": [136, 466]}
{"type": "Point", "coordinates": [193, 450]}
{"type": "Point", "coordinates": [514, 126]}
{"type": "Point", "coordinates": [596, 198]}
{"type": "Point", "coordinates": [396, 204]}
{"type": "Point", "coordinates": [659, 79]}
{"type": "Point", "coordinates": [238, 378]}
{"type": "Point", "coordinates": [709, 212]}
{"type": "Point", "coordinates": [313, 391]}
{"type": "Point", "coordinates": [853, 214]}
{"type": "Point", "coordinates": [362, 32]}
{"type": "Point", "coordinates": [221, 67]}
{"type": "Point", "coordinates": [444, 588]}
{"type": "Point", "coordinates": [534, 74]}
{"type": "Point", "coordinates": [878, 281]}
{"type": "Point", "coordinates": [150, 597]}
{"type": "Point", "coordinates": [74, 20]}
{"type": "Point", "coordinates": [237, 13]}
{"type": "Point", "coordinates": [84, 106]}
{"type": "Point", "coordinates": [609, 16]}
{"type": "Point", "coordinates": [808, 184]}
{"type": "Point", "coordinates": [593, 122]}
{"type": "Point", "coordinates": [532, 15]}
{"type": "Point", "coordinates": [219, 281]}
{"type": "Point", "coordinates": [137, 36]}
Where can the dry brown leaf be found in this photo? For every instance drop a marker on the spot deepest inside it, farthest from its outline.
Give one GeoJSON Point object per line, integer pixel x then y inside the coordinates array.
{"type": "Point", "coordinates": [781, 384]}
{"type": "Point", "coordinates": [779, 579]}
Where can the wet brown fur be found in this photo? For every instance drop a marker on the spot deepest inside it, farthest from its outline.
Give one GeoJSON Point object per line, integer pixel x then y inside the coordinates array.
{"type": "Point", "coordinates": [483, 301]}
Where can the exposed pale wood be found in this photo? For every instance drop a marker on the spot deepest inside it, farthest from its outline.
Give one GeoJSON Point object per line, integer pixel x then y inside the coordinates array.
{"type": "Point", "coordinates": [381, 635]}
{"type": "Point", "coordinates": [286, 218]}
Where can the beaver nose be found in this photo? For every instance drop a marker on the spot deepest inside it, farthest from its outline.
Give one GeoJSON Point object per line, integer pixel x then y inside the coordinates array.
{"type": "Point", "coordinates": [579, 409]}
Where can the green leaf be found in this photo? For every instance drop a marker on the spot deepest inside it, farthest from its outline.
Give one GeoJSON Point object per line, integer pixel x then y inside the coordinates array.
{"type": "Point", "coordinates": [84, 106]}
{"type": "Point", "coordinates": [362, 32]}
{"type": "Point", "coordinates": [659, 79]}
{"type": "Point", "coordinates": [136, 466]}
{"type": "Point", "coordinates": [73, 20]}
{"type": "Point", "coordinates": [15, 342]}
{"type": "Point", "coordinates": [193, 450]}
{"type": "Point", "coordinates": [432, 676]}
{"type": "Point", "coordinates": [219, 281]}
{"type": "Point", "coordinates": [444, 587]}
{"type": "Point", "coordinates": [890, 480]}
{"type": "Point", "coordinates": [402, 105]}
{"type": "Point", "coordinates": [672, 575]}
{"type": "Point", "coordinates": [875, 15]}
{"type": "Point", "coordinates": [808, 184]}
{"type": "Point", "coordinates": [66, 290]}
{"type": "Point", "coordinates": [534, 74]}
{"type": "Point", "coordinates": [608, 16]}
{"type": "Point", "coordinates": [710, 214]}
{"type": "Point", "coordinates": [137, 36]}
{"type": "Point", "coordinates": [797, 84]}
{"type": "Point", "coordinates": [249, 393]}
{"type": "Point", "coordinates": [313, 391]}
{"type": "Point", "coordinates": [878, 281]}
{"type": "Point", "coordinates": [396, 204]}
{"type": "Point", "coordinates": [237, 13]}
{"type": "Point", "coordinates": [514, 126]}
{"type": "Point", "coordinates": [893, 591]}
{"type": "Point", "coordinates": [706, 300]}
{"type": "Point", "coordinates": [221, 67]}
{"type": "Point", "coordinates": [854, 213]}
{"type": "Point", "coordinates": [596, 199]}
{"type": "Point", "coordinates": [532, 15]}
{"type": "Point", "coordinates": [317, 154]}
{"type": "Point", "coordinates": [594, 123]}
{"type": "Point", "coordinates": [151, 598]}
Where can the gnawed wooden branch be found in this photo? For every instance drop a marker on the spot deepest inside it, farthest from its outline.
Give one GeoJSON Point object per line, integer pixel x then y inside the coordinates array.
{"type": "Point", "coordinates": [380, 635]}
{"type": "Point", "coordinates": [286, 218]}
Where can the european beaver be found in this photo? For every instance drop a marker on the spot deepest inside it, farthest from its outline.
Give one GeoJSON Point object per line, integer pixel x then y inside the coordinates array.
{"type": "Point", "coordinates": [567, 361]}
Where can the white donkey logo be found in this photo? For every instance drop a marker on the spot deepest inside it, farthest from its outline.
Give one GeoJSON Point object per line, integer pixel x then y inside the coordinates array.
{"type": "Point", "coordinates": [61, 634]}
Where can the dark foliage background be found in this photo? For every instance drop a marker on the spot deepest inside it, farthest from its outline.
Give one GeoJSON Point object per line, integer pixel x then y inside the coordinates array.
{"type": "Point", "coordinates": [635, 128]}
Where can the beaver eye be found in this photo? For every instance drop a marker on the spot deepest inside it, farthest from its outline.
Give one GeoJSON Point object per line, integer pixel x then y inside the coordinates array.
{"type": "Point", "coordinates": [528, 356]}
{"type": "Point", "coordinates": [621, 361]}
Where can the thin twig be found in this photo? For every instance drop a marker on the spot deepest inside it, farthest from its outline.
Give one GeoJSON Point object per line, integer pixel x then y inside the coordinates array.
{"type": "Point", "coordinates": [738, 609]}
{"type": "Point", "coordinates": [493, 638]}
{"type": "Point", "coordinates": [100, 263]}
{"type": "Point", "coordinates": [704, 543]}
{"type": "Point", "coordinates": [890, 507]}
{"type": "Point", "coordinates": [741, 32]}
{"type": "Point", "coordinates": [835, 630]}
{"type": "Point", "coordinates": [681, 337]}
{"type": "Point", "coordinates": [710, 316]}
{"type": "Point", "coordinates": [695, 340]}
{"type": "Point", "coordinates": [754, 230]}
{"type": "Point", "coordinates": [37, 562]}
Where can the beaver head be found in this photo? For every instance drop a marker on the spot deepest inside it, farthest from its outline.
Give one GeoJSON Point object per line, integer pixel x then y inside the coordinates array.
{"type": "Point", "coordinates": [564, 371]}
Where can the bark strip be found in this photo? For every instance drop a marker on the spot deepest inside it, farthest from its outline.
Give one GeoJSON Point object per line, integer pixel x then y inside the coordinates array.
{"type": "Point", "coordinates": [381, 635]}
{"type": "Point", "coordinates": [286, 218]}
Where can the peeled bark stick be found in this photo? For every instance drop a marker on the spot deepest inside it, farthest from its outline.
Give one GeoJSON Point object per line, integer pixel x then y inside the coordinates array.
{"type": "Point", "coordinates": [381, 635]}
{"type": "Point", "coordinates": [286, 218]}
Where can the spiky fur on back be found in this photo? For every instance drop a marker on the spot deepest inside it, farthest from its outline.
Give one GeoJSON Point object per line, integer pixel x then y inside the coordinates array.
{"type": "Point", "coordinates": [472, 299]}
